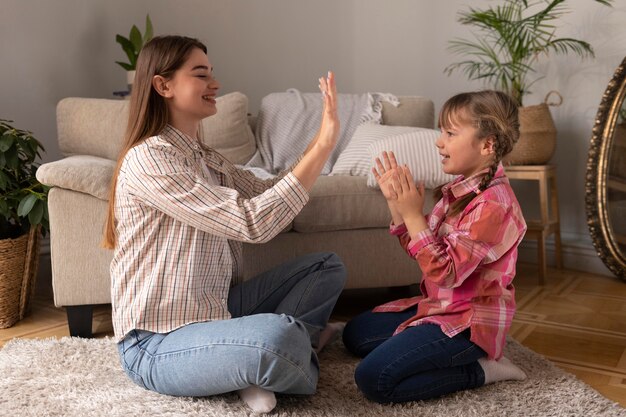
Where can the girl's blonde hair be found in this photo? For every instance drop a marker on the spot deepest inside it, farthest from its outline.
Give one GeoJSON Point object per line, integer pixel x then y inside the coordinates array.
{"type": "Point", "coordinates": [494, 114]}
{"type": "Point", "coordinates": [148, 113]}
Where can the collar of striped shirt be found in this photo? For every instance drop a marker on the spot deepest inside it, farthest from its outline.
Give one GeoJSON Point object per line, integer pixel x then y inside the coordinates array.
{"type": "Point", "coordinates": [191, 147]}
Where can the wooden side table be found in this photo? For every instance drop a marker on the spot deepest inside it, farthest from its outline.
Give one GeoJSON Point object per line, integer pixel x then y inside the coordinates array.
{"type": "Point", "coordinates": [549, 222]}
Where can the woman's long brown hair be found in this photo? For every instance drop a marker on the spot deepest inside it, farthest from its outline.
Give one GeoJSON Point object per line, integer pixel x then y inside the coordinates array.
{"type": "Point", "coordinates": [148, 114]}
{"type": "Point", "coordinates": [495, 115]}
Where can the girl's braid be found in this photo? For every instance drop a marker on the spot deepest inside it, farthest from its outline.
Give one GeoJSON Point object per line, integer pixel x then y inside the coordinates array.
{"type": "Point", "coordinates": [484, 183]}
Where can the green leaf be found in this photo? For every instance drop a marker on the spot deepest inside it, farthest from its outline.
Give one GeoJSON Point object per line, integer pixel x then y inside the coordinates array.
{"type": "Point", "coordinates": [26, 205]}
{"type": "Point", "coordinates": [12, 158]}
{"type": "Point", "coordinates": [124, 65]}
{"type": "Point", "coordinates": [135, 38]}
{"type": "Point", "coordinates": [5, 142]}
{"type": "Point", "coordinates": [128, 48]}
{"type": "Point", "coordinates": [4, 208]}
{"type": "Point", "coordinates": [148, 35]}
{"type": "Point", "coordinates": [125, 42]}
{"type": "Point", "coordinates": [26, 150]}
{"type": "Point", "coordinates": [4, 181]}
{"type": "Point", "coordinates": [36, 214]}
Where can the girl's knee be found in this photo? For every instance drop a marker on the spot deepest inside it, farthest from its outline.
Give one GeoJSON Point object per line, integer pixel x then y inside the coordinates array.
{"type": "Point", "coordinates": [355, 335]}
{"type": "Point", "coordinates": [351, 339]}
{"type": "Point", "coordinates": [367, 379]}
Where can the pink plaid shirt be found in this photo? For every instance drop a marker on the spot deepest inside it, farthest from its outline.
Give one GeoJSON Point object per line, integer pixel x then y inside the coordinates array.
{"type": "Point", "coordinates": [468, 263]}
{"type": "Point", "coordinates": [182, 212]}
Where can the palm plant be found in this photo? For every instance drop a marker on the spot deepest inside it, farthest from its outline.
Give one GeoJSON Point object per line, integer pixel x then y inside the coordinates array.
{"type": "Point", "coordinates": [512, 37]}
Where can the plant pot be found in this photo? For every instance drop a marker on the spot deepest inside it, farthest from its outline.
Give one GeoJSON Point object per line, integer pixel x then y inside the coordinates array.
{"type": "Point", "coordinates": [537, 140]}
{"type": "Point", "coordinates": [130, 79]}
{"type": "Point", "coordinates": [19, 261]}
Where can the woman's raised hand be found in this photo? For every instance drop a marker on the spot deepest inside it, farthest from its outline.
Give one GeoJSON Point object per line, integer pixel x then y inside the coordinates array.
{"type": "Point", "coordinates": [329, 128]}
{"type": "Point", "coordinates": [323, 144]}
{"type": "Point", "coordinates": [383, 172]}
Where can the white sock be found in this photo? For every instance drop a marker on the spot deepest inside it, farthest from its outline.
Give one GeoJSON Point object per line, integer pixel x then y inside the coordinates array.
{"type": "Point", "coordinates": [258, 399]}
{"type": "Point", "coordinates": [500, 370]}
{"type": "Point", "coordinates": [329, 333]}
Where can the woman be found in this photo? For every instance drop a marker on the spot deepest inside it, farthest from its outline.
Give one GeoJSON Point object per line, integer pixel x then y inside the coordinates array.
{"type": "Point", "coordinates": [178, 214]}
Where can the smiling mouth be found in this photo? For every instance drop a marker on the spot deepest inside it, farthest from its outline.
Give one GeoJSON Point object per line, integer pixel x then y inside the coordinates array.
{"type": "Point", "coordinates": [210, 99]}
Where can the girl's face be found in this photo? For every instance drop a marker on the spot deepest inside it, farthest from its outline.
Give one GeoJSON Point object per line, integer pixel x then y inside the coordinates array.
{"type": "Point", "coordinates": [462, 152]}
{"type": "Point", "coordinates": [190, 93]}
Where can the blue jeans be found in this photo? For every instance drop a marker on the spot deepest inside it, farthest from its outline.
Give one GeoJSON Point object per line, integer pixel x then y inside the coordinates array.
{"type": "Point", "coordinates": [276, 320]}
{"type": "Point", "coordinates": [420, 362]}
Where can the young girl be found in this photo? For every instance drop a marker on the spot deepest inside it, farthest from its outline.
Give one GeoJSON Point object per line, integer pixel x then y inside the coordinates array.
{"type": "Point", "coordinates": [178, 212]}
{"type": "Point", "coordinates": [451, 337]}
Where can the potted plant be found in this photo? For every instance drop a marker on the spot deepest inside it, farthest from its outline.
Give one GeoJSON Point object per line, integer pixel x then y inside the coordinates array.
{"type": "Point", "coordinates": [23, 216]}
{"type": "Point", "coordinates": [132, 46]}
{"type": "Point", "coordinates": [511, 37]}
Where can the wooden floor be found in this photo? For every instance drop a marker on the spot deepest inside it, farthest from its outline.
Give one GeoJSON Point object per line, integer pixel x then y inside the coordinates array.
{"type": "Point", "coordinates": [577, 320]}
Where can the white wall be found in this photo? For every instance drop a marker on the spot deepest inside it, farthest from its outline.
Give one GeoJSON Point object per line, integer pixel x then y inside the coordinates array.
{"type": "Point", "coordinates": [52, 50]}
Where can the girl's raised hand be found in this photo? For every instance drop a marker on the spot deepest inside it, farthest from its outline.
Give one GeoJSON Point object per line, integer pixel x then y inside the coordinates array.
{"type": "Point", "coordinates": [329, 128]}
{"type": "Point", "coordinates": [383, 172]}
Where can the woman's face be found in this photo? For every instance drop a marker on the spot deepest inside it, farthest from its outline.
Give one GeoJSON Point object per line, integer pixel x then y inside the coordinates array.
{"type": "Point", "coordinates": [192, 90]}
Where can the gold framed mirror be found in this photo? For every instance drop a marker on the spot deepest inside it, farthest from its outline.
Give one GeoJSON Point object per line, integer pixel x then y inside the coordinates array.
{"type": "Point", "coordinates": [606, 176]}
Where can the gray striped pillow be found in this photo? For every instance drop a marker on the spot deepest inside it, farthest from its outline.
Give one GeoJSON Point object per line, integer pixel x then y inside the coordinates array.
{"type": "Point", "coordinates": [417, 150]}
{"type": "Point", "coordinates": [355, 158]}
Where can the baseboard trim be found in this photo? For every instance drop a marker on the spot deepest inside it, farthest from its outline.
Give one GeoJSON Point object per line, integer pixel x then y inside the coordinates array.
{"type": "Point", "coordinates": [579, 254]}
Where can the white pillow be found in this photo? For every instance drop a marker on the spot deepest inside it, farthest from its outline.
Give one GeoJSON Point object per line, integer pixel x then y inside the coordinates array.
{"type": "Point", "coordinates": [228, 131]}
{"type": "Point", "coordinates": [417, 150]}
{"type": "Point", "coordinates": [355, 158]}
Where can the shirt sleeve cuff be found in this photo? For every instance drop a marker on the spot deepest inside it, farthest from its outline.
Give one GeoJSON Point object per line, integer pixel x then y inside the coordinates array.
{"type": "Point", "coordinates": [292, 192]}
{"type": "Point", "coordinates": [397, 230]}
{"type": "Point", "coordinates": [421, 240]}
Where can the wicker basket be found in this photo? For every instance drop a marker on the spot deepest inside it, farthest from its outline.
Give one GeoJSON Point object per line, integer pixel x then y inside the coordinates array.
{"type": "Point", "coordinates": [19, 261]}
{"type": "Point", "coordinates": [537, 140]}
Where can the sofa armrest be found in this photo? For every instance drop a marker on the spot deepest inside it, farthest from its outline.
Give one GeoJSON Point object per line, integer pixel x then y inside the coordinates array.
{"type": "Point", "coordinates": [83, 173]}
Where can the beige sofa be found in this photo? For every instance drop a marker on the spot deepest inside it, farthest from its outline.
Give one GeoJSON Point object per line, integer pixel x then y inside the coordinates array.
{"type": "Point", "coordinates": [343, 214]}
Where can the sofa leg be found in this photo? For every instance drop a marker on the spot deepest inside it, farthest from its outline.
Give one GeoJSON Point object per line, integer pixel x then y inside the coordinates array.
{"type": "Point", "coordinates": [79, 320]}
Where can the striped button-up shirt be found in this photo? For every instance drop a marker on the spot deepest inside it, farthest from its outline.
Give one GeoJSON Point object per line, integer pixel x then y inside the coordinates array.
{"type": "Point", "coordinates": [468, 263]}
{"type": "Point", "coordinates": [182, 211]}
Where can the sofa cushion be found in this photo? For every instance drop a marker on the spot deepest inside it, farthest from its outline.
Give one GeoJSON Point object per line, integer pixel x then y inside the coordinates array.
{"type": "Point", "coordinates": [342, 203]}
{"type": "Point", "coordinates": [83, 173]}
{"type": "Point", "coordinates": [228, 131]}
{"type": "Point", "coordinates": [355, 159]}
{"type": "Point", "coordinates": [345, 203]}
{"type": "Point", "coordinates": [417, 150]}
{"type": "Point", "coordinates": [89, 126]}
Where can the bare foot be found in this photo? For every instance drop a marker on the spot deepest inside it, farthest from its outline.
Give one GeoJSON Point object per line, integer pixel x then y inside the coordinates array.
{"type": "Point", "coordinates": [330, 332]}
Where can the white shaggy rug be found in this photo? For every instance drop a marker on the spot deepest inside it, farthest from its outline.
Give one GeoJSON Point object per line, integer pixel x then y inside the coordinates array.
{"type": "Point", "coordinates": [78, 377]}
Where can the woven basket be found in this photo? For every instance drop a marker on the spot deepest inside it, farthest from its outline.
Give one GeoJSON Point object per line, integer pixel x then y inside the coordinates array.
{"type": "Point", "coordinates": [19, 261]}
{"type": "Point", "coordinates": [537, 140]}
